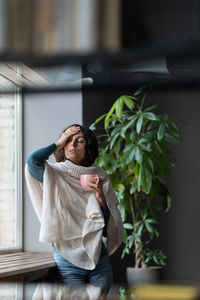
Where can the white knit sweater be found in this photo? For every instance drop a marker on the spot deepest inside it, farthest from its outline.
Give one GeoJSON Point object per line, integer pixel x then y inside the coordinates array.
{"type": "Point", "coordinates": [71, 217]}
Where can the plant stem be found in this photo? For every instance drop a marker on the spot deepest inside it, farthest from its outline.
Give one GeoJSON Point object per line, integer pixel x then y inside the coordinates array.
{"type": "Point", "coordinates": [139, 254]}
{"type": "Point", "coordinates": [132, 209]}
{"type": "Point", "coordinates": [137, 247]}
{"type": "Point", "coordinates": [133, 221]}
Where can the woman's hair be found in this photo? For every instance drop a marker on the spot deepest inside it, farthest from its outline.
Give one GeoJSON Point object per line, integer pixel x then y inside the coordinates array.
{"type": "Point", "coordinates": [91, 148]}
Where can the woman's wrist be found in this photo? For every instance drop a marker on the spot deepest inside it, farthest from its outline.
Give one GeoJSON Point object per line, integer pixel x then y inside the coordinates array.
{"type": "Point", "coordinates": [101, 199]}
{"type": "Point", "coordinates": [58, 145]}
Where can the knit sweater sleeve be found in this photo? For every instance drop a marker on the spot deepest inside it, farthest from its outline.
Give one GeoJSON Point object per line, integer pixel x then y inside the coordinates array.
{"type": "Point", "coordinates": [115, 227]}
{"type": "Point", "coordinates": [36, 161]}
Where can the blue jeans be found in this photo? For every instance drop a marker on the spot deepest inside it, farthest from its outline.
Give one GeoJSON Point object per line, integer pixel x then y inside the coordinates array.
{"type": "Point", "coordinates": [70, 274]}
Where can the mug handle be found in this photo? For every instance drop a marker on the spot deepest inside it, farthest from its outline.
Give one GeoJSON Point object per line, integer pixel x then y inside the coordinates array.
{"type": "Point", "coordinates": [97, 179]}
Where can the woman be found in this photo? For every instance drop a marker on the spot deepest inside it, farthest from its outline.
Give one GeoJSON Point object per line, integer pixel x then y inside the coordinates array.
{"type": "Point", "coordinates": [84, 227]}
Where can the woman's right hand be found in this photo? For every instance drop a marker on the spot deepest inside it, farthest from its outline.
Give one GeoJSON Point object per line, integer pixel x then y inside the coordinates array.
{"type": "Point", "coordinates": [66, 135]}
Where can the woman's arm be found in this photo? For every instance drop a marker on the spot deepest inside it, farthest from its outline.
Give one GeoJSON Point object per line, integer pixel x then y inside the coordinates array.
{"type": "Point", "coordinates": [37, 159]}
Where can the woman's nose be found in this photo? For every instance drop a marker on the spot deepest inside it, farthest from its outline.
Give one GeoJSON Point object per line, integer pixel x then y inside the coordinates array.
{"type": "Point", "coordinates": [73, 142]}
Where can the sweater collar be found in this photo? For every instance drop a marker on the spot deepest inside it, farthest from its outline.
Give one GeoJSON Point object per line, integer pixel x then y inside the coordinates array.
{"type": "Point", "coordinates": [76, 170]}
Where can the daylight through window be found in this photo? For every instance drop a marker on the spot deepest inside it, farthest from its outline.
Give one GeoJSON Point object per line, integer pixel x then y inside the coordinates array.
{"type": "Point", "coordinates": [10, 159]}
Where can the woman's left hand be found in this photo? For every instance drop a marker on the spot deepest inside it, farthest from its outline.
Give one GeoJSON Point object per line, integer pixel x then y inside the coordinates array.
{"type": "Point", "coordinates": [97, 187]}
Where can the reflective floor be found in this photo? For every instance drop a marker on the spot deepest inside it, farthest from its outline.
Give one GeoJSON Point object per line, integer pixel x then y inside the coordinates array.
{"type": "Point", "coordinates": [49, 291]}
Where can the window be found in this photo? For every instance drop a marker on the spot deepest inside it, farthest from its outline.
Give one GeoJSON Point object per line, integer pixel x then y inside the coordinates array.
{"type": "Point", "coordinates": [11, 291]}
{"type": "Point", "coordinates": [10, 168]}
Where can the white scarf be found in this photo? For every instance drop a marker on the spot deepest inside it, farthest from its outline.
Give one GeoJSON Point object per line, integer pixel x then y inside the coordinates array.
{"type": "Point", "coordinates": [71, 217]}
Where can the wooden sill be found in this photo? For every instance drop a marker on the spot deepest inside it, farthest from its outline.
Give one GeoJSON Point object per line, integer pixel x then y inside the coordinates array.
{"type": "Point", "coordinates": [15, 264]}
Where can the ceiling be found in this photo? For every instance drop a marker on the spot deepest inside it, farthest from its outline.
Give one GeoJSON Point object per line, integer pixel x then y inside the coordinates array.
{"type": "Point", "coordinates": [148, 41]}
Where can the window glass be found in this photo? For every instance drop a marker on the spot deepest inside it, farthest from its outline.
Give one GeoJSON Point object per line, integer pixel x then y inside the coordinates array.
{"type": "Point", "coordinates": [11, 291]}
{"type": "Point", "coordinates": [9, 168]}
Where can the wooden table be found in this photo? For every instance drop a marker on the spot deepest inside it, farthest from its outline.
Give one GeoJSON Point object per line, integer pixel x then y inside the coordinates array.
{"type": "Point", "coordinates": [25, 266]}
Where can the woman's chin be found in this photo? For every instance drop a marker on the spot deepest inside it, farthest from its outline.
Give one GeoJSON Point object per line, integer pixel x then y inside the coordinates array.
{"type": "Point", "coordinates": [74, 160]}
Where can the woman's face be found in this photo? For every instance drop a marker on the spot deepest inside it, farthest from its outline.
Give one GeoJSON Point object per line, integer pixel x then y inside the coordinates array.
{"type": "Point", "coordinates": [74, 149]}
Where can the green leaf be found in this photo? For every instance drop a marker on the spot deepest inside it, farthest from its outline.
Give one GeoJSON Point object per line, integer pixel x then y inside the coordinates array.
{"type": "Point", "coordinates": [148, 259]}
{"type": "Point", "coordinates": [166, 203]}
{"type": "Point", "coordinates": [128, 102]}
{"type": "Point", "coordinates": [161, 131]}
{"type": "Point", "coordinates": [140, 229]}
{"type": "Point", "coordinates": [140, 176]}
{"type": "Point", "coordinates": [114, 140]}
{"type": "Point", "coordinates": [133, 136]}
{"type": "Point", "coordinates": [138, 155]}
{"type": "Point", "coordinates": [130, 242]}
{"type": "Point", "coordinates": [170, 138]}
{"type": "Point", "coordinates": [150, 221]}
{"type": "Point", "coordinates": [138, 239]}
{"type": "Point", "coordinates": [155, 259]}
{"type": "Point", "coordinates": [128, 148]}
{"type": "Point", "coordinates": [100, 118]}
{"type": "Point", "coordinates": [128, 226]}
{"type": "Point", "coordinates": [130, 123]}
{"type": "Point", "coordinates": [136, 170]}
{"type": "Point", "coordinates": [133, 188]}
{"type": "Point", "coordinates": [150, 116]}
{"type": "Point", "coordinates": [150, 108]}
{"type": "Point", "coordinates": [132, 154]}
{"type": "Point", "coordinates": [122, 212]}
{"type": "Point", "coordinates": [139, 91]}
{"type": "Point", "coordinates": [139, 124]}
{"type": "Point", "coordinates": [125, 237]}
{"type": "Point", "coordinates": [118, 147]}
{"type": "Point", "coordinates": [92, 126]}
{"type": "Point", "coordinates": [149, 161]}
{"type": "Point", "coordinates": [148, 227]}
{"type": "Point", "coordinates": [175, 129]}
{"type": "Point", "coordinates": [127, 251]}
{"type": "Point", "coordinates": [120, 187]}
{"type": "Point", "coordinates": [144, 214]}
{"type": "Point", "coordinates": [107, 119]}
{"type": "Point", "coordinates": [145, 177]}
{"type": "Point", "coordinates": [123, 254]}
{"type": "Point", "coordinates": [146, 147]}
{"type": "Point", "coordinates": [152, 125]}
{"type": "Point", "coordinates": [115, 130]}
{"type": "Point", "coordinates": [160, 148]}
{"type": "Point", "coordinates": [149, 137]}
{"type": "Point", "coordinates": [119, 107]}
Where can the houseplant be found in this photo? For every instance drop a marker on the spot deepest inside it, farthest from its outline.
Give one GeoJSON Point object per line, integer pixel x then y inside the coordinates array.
{"type": "Point", "coordinates": [134, 152]}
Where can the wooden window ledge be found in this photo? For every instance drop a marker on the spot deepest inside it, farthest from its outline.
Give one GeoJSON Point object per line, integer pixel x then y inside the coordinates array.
{"type": "Point", "coordinates": [19, 266]}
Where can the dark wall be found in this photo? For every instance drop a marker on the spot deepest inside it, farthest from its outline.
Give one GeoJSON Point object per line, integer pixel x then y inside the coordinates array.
{"type": "Point", "coordinates": [160, 20]}
{"type": "Point", "coordinates": [180, 227]}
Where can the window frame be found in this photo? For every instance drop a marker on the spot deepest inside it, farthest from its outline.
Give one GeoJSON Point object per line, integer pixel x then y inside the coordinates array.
{"type": "Point", "coordinates": [18, 174]}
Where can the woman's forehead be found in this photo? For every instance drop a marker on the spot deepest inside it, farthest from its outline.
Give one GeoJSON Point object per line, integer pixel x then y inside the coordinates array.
{"type": "Point", "coordinates": [77, 135]}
